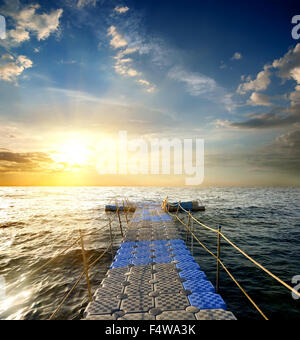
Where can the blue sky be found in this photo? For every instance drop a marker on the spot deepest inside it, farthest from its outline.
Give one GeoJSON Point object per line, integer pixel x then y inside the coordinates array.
{"type": "Point", "coordinates": [228, 72]}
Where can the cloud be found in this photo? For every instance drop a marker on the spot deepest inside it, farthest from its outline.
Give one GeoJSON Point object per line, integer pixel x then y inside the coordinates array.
{"type": "Point", "coordinates": [196, 84]}
{"type": "Point", "coordinates": [125, 52]}
{"type": "Point", "coordinates": [121, 9]}
{"type": "Point", "coordinates": [126, 71]}
{"type": "Point", "coordinates": [295, 96]}
{"type": "Point", "coordinates": [150, 88]}
{"type": "Point", "coordinates": [143, 82]}
{"type": "Point", "coordinates": [237, 56]}
{"type": "Point", "coordinates": [289, 141]}
{"type": "Point", "coordinates": [13, 162]}
{"type": "Point", "coordinates": [18, 35]}
{"type": "Point", "coordinates": [42, 25]}
{"type": "Point", "coordinates": [83, 3]}
{"type": "Point", "coordinates": [281, 163]}
{"type": "Point", "coordinates": [281, 156]}
{"type": "Point", "coordinates": [260, 83]}
{"type": "Point", "coordinates": [123, 64]}
{"type": "Point", "coordinates": [117, 40]}
{"type": "Point", "coordinates": [11, 68]}
{"type": "Point", "coordinates": [287, 68]}
{"type": "Point", "coordinates": [289, 65]}
{"type": "Point", "coordinates": [259, 99]}
{"type": "Point", "coordinates": [277, 118]}
{"type": "Point", "coordinates": [27, 21]}
{"type": "Point", "coordinates": [223, 65]}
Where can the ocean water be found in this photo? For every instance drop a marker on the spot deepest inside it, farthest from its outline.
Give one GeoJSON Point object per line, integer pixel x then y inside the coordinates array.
{"type": "Point", "coordinates": [38, 223]}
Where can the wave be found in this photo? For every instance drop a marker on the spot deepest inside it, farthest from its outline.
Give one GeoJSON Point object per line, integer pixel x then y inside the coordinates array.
{"type": "Point", "coordinates": [12, 225]}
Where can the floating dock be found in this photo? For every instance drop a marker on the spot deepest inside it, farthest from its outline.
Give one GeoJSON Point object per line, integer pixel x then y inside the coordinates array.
{"type": "Point", "coordinates": [155, 277]}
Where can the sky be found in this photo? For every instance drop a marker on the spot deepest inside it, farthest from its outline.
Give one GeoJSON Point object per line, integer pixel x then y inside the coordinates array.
{"type": "Point", "coordinates": [74, 73]}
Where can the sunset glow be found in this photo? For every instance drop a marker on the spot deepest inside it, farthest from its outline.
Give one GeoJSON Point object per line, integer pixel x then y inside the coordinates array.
{"type": "Point", "coordinates": [73, 152]}
{"type": "Point", "coordinates": [74, 71]}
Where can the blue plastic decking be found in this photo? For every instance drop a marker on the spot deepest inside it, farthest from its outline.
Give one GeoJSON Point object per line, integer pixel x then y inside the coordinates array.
{"type": "Point", "coordinates": [155, 277]}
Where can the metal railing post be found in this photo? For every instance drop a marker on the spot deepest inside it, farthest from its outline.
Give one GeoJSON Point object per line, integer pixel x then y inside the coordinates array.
{"type": "Point", "coordinates": [85, 266]}
{"type": "Point", "coordinates": [189, 225]}
{"type": "Point", "coordinates": [192, 238]}
{"type": "Point", "coordinates": [120, 222]}
{"type": "Point", "coordinates": [111, 239]}
{"type": "Point", "coordinates": [125, 211]}
{"type": "Point", "coordinates": [178, 205]}
{"type": "Point", "coordinates": [218, 260]}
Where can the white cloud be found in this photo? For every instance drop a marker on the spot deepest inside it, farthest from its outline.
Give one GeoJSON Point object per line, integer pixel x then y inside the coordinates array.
{"type": "Point", "coordinates": [289, 68]}
{"type": "Point", "coordinates": [259, 99]}
{"type": "Point", "coordinates": [196, 83]}
{"type": "Point", "coordinates": [83, 3]}
{"type": "Point", "coordinates": [133, 73]}
{"type": "Point", "coordinates": [143, 82]}
{"type": "Point", "coordinates": [125, 52]}
{"type": "Point", "coordinates": [237, 56]}
{"type": "Point", "coordinates": [121, 9]}
{"type": "Point", "coordinates": [18, 35]}
{"type": "Point", "coordinates": [289, 65]}
{"type": "Point", "coordinates": [6, 57]}
{"type": "Point", "coordinates": [260, 83]}
{"type": "Point", "coordinates": [41, 24]}
{"type": "Point", "coordinates": [11, 68]}
{"type": "Point", "coordinates": [150, 88]}
{"type": "Point", "coordinates": [27, 21]}
{"type": "Point", "coordinates": [126, 71]}
{"type": "Point", "coordinates": [123, 66]}
{"type": "Point", "coordinates": [117, 40]}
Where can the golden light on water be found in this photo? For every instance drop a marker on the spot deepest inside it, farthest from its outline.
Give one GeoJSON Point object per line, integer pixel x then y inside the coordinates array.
{"type": "Point", "coordinates": [17, 299]}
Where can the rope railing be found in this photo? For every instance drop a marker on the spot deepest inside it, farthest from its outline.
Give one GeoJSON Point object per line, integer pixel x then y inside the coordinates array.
{"type": "Point", "coordinates": [217, 257]}
{"type": "Point", "coordinates": [79, 279]}
{"type": "Point", "coordinates": [248, 257]}
{"type": "Point", "coordinates": [63, 252]}
{"type": "Point", "coordinates": [87, 266]}
{"type": "Point", "coordinates": [222, 264]}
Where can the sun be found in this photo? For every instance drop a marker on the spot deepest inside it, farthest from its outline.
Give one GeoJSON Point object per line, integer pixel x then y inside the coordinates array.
{"type": "Point", "coordinates": [73, 152]}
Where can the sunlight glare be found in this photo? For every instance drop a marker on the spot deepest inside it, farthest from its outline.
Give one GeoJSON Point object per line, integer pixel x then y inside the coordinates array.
{"type": "Point", "coordinates": [74, 152]}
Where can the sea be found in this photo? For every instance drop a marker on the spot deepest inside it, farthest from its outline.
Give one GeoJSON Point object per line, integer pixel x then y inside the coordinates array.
{"type": "Point", "coordinates": [38, 223]}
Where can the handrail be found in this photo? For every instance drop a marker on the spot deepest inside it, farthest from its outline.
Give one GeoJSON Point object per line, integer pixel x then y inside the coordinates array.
{"type": "Point", "coordinates": [222, 264]}
{"type": "Point", "coordinates": [247, 256]}
{"type": "Point", "coordinates": [220, 234]}
{"type": "Point", "coordinates": [86, 268]}
{"type": "Point", "coordinates": [86, 265]}
{"type": "Point", "coordinates": [63, 252]}
{"type": "Point", "coordinates": [79, 279]}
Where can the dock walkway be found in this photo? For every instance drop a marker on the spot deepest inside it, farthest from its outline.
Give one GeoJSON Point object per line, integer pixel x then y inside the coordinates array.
{"type": "Point", "coordinates": [155, 277]}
